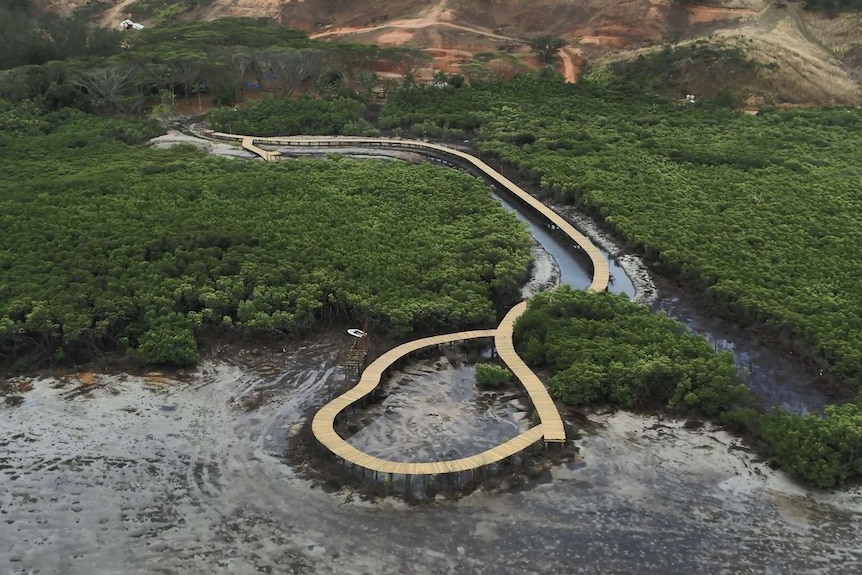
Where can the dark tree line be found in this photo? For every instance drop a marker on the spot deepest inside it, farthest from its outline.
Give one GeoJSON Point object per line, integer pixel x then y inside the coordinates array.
{"type": "Point", "coordinates": [127, 73]}
{"type": "Point", "coordinates": [546, 48]}
{"type": "Point", "coordinates": [604, 349]}
{"type": "Point", "coordinates": [287, 116]}
{"type": "Point", "coordinates": [833, 6]}
{"type": "Point", "coordinates": [29, 36]}
{"type": "Point", "coordinates": [760, 213]}
{"type": "Point", "coordinates": [112, 247]}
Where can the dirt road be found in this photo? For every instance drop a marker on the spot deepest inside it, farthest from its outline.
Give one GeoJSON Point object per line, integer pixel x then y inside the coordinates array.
{"type": "Point", "coordinates": [571, 70]}
{"type": "Point", "coordinates": [116, 14]}
{"type": "Point", "coordinates": [410, 24]}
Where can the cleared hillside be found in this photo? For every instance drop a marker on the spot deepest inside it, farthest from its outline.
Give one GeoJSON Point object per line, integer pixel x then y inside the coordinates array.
{"type": "Point", "coordinates": [792, 55]}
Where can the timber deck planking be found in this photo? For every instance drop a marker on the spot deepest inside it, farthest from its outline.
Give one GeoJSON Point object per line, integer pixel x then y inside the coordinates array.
{"type": "Point", "coordinates": [551, 427]}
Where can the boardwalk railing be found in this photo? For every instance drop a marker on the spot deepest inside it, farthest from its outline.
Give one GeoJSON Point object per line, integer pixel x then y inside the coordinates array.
{"type": "Point", "coordinates": [551, 427]}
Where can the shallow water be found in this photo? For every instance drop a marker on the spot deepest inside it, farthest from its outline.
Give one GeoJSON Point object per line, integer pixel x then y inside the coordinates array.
{"type": "Point", "coordinates": [434, 411]}
{"type": "Point", "coordinates": [575, 269]}
{"type": "Point", "coordinates": [152, 475]}
{"type": "Point", "coordinates": [777, 378]}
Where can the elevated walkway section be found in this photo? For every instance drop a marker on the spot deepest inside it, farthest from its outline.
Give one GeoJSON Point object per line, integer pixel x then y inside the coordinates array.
{"type": "Point", "coordinates": [550, 429]}
{"type": "Point", "coordinates": [601, 270]}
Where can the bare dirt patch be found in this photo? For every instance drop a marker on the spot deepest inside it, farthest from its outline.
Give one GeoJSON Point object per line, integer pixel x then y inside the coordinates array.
{"type": "Point", "coordinates": [224, 149]}
{"type": "Point", "coordinates": [572, 63]}
{"type": "Point", "coordinates": [605, 41]}
{"type": "Point", "coordinates": [794, 70]}
{"type": "Point", "coordinates": [119, 12]}
{"type": "Point", "coordinates": [395, 38]}
{"type": "Point", "coordinates": [808, 47]}
{"type": "Point", "coordinates": [702, 14]}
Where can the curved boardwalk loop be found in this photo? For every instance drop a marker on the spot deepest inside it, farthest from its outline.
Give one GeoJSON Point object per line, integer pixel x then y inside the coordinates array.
{"type": "Point", "coordinates": [551, 427]}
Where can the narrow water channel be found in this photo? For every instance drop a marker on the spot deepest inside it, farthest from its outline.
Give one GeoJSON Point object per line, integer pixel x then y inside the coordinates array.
{"type": "Point", "coordinates": [777, 379]}
{"type": "Point", "coordinates": [154, 474]}
{"type": "Point", "coordinates": [575, 269]}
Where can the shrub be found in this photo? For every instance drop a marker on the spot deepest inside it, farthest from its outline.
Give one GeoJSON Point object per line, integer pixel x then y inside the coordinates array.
{"type": "Point", "coordinates": [493, 375]}
{"type": "Point", "coordinates": [602, 347]}
{"type": "Point", "coordinates": [169, 341]}
{"type": "Point", "coordinates": [823, 451]}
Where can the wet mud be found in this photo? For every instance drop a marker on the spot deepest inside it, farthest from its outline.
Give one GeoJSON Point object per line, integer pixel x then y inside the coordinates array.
{"type": "Point", "coordinates": [223, 149]}
{"type": "Point", "coordinates": [429, 409]}
{"type": "Point", "coordinates": [203, 473]}
{"type": "Point", "coordinates": [776, 375]}
{"type": "Point", "coordinates": [433, 410]}
{"type": "Point", "coordinates": [160, 474]}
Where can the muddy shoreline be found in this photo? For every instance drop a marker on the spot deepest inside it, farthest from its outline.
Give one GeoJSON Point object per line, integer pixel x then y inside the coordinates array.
{"type": "Point", "coordinates": [430, 409]}
{"type": "Point", "coordinates": [243, 508]}
{"type": "Point", "coordinates": [204, 472]}
{"type": "Point", "coordinates": [190, 475]}
{"type": "Point", "coordinates": [778, 374]}
{"type": "Point", "coordinates": [762, 357]}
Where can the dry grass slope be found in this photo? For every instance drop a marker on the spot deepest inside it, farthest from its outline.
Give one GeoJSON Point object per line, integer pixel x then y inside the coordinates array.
{"type": "Point", "coordinates": [818, 59]}
{"type": "Point", "coordinates": [803, 69]}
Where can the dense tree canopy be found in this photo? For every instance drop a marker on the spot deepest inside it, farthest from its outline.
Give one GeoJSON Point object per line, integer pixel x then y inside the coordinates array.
{"type": "Point", "coordinates": [821, 450]}
{"type": "Point", "coordinates": [30, 36]}
{"type": "Point", "coordinates": [546, 48]}
{"type": "Point", "coordinates": [287, 116]}
{"type": "Point", "coordinates": [107, 245]}
{"type": "Point", "coordinates": [602, 348]}
{"type": "Point", "coordinates": [111, 72]}
{"type": "Point", "coordinates": [761, 213]}
{"type": "Point", "coordinates": [111, 245]}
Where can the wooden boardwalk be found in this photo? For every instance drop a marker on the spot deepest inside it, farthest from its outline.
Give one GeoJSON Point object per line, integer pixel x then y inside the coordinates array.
{"type": "Point", "coordinates": [551, 426]}
{"type": "Point", "coordinates": [268, 156]}
{"type": "Point", "coordinates": [601, 271]}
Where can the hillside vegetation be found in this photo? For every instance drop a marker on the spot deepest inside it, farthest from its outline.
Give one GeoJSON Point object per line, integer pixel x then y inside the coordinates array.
{"type": "Point", "coordinates": [833, 6]}
{"type": "Point", "coordinates": [223, 61]}
{"type": "Point", "coordinates": [30, 37]}
{"type": "Point", "coordinates": [802, 51]}
{"type": "Point", "coordinates": [606, 349]}
{"type": "Point", "coordinates": [110, 246]}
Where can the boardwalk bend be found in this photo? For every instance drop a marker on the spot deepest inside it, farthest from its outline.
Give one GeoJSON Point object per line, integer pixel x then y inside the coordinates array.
{"type": "Point", "coordinates": [551, 427]}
